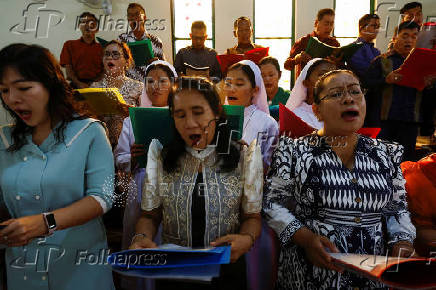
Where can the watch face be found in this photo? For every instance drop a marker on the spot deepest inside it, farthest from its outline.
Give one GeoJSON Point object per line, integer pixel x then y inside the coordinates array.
{"type": "Point", "coordinates": [51, 221]}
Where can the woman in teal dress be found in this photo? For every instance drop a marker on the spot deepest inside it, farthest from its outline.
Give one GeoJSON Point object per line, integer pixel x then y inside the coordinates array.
{"type": "Point", "coordinates": [56, 179]}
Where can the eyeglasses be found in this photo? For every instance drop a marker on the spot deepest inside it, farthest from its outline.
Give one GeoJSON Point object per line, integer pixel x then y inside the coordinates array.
{"type": "Point", "coordinates": [338, 94]}
{"type": "Point", "coordinates": [114, 54]}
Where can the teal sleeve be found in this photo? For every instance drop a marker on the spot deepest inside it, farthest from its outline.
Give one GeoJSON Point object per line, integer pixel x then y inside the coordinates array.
{"type": "Point", "coordinates": [100, 169]}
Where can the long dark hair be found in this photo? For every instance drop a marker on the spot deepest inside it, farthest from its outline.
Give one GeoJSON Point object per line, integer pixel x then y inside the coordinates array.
{"type": "Point", "coordinates": [36, 63]}
{"type": "Point", "coordinates": [227, 152]}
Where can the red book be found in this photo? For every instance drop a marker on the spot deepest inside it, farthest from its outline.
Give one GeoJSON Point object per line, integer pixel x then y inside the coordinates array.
{"type": "Point", "coordinates": [404, 273]}
{"type": "Point", "coordinates": [293, 126]}
{"type": "Point", "coordinates": [420, 64]}
{"type": "Point", "coordinates": [255, 55]}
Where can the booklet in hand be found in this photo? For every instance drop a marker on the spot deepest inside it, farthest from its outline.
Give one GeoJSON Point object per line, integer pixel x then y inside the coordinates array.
{"type": "Point", "coordinates": [410, 273]}
{"type": "Point", "coordinates": [316, 48]}
{"type": "Point", "coordinates": [142, 50]}
{"type": "Point", "coordinates": [149, 124]}
{"type": "Point", "coordinates": [102, 101]}
{"type": "Point", "coordinates": [156, 123]}
{"type": "Point", "coordinates": [420, 64]}
{"type": "Point", "coordinates": [255, 55]}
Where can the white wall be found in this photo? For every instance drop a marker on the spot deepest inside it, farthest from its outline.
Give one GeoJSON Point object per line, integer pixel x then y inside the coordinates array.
{"type": "Point", "coordinates": [305, 15]}
{"type": "Point", "coordinates": [226, 12]}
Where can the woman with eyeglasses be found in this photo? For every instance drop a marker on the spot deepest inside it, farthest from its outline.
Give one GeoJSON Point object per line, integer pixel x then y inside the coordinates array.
{"type": "Point", "coordinates": [336, 191]}
{"type": "Point", "coordinates": [117, 59]}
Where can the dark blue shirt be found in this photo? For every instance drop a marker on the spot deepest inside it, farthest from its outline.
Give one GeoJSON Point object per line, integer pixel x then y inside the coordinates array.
{"type": "Point", "coordinates": [361, 60]}
{"type": "Point", "coordinates": [399, 102]}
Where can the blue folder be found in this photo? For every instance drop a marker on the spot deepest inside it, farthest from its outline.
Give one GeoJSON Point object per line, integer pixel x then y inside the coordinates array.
{"type": "Point", "coordinates": [174, 262]}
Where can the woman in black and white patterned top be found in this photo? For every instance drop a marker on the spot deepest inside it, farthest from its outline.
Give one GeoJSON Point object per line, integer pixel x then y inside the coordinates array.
{"type": "Point", "coordinates": [336, 191]}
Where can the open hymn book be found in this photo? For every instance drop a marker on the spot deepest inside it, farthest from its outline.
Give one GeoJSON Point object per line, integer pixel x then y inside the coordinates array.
{"type": "Point", "coordinates": [404, 273]}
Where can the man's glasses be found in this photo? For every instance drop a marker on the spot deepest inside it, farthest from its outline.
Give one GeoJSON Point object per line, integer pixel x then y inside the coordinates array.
{"type": "Point", "coordinates": [114, 54]}
{"type": "Point", "coordinates": [338, 94]}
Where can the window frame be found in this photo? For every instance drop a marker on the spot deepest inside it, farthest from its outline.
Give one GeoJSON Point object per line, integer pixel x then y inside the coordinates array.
{"type": "Point", "coordinates": [173, 31]}
{"type": "Point", "coordinates": [371, 10]}
{"type": "Point", "coordinates": [291, 38]}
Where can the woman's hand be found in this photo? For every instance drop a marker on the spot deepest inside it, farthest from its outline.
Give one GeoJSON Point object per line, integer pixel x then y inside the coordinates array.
{"type": "Point", "coordinates": [19, 232]}
{"type": "Point", "coordinates": [403, 249]}
{"type": "Point", "coordinates": [240, 244]}
{"type": "Point", "coordinates": [316, 252]}
{"type": "Point", "coordinates": [393, 77]}
{"type": "Point", "coordinates": [141, 242]}
{"type": "Point", "coordinates": [137, 150]}
{"type": "Point", "coordinates": [315, 247]}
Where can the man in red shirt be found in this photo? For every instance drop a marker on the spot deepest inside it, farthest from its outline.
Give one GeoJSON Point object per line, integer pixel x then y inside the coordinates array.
{"type": "Point", "coordinates": [82, 58]}
{"type": "Point", "coordinates": [324, 24]}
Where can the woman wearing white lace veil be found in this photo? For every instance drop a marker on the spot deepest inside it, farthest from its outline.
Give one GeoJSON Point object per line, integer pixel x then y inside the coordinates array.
{"type": "Point", "coordinates": [160, 76]}
{"type": "Point", "coordinates": [301, 99]}
{"type": "Point", "coordinates": [244, 87]}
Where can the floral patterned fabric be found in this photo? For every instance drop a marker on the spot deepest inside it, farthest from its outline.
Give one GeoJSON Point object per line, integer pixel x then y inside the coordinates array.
{"type": "Point", "coordinates": [226, 193]}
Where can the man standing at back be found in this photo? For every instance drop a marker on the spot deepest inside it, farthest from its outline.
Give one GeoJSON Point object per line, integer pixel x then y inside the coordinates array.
{"type": "Point", "coordinates": [398, 108]}
{"type": "Point", "coordinates": [243, 31]}
{"type": "Point", "coordinates": [369, 26]}
{"type": "Point", "coordinates": [136, 17]}
{"type": "Point", "coordinates": [82, 58]}
{"type": "Point", "coordinates": [197, 54]}
{"type": "Point", "coordinates": [324, 24]}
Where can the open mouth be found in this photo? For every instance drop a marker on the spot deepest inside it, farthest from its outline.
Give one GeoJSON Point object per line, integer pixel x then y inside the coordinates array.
{"type": "Point", "coordinates": [23, 114]}
{"type": "Point", "coordinates": [230, 98]}
{"type": "Point", "coordinates": [110, 65]}
{"type": "Point", "coordinates": [195, 139]}
{"type": "Point", "coordinates": [350, 115]}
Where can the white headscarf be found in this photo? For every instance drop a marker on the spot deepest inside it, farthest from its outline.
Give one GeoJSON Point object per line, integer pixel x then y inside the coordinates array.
{"type": "Point", "coordinates": [260, 99]}
{"type": "Point", "coordinates": [145, 100]}
{"type": "Point", "coordinates": [299, 92]}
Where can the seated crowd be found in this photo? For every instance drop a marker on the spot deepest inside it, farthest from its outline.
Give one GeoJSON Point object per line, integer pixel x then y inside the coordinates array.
{"type": "Point", "coordinates": [282, 204]}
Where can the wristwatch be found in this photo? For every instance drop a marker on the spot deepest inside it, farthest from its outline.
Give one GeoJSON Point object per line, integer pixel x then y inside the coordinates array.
{"type": "Point", "coordinates": [50, 222]}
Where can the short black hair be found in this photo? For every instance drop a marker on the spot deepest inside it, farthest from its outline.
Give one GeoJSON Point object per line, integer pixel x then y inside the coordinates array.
{"type": "Point", "coordinates": [88, 14]}
{"type": "Point", "coordinates": [136, 5]}
{"type": "Point", "coordinates": [198, 25]}
{"type": "Point", "coordinates": [270, 60]}
{"type": "Point", "coordinates": [409, 6]}
{"type": "Point", "coordinates": [408, 25]}
{"type": "Point", "coordinates": [366, 19]}
{"type": "Point", "coordinates": [242, 18]}
{"type": "Point", "coordinates": [326, 11]}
